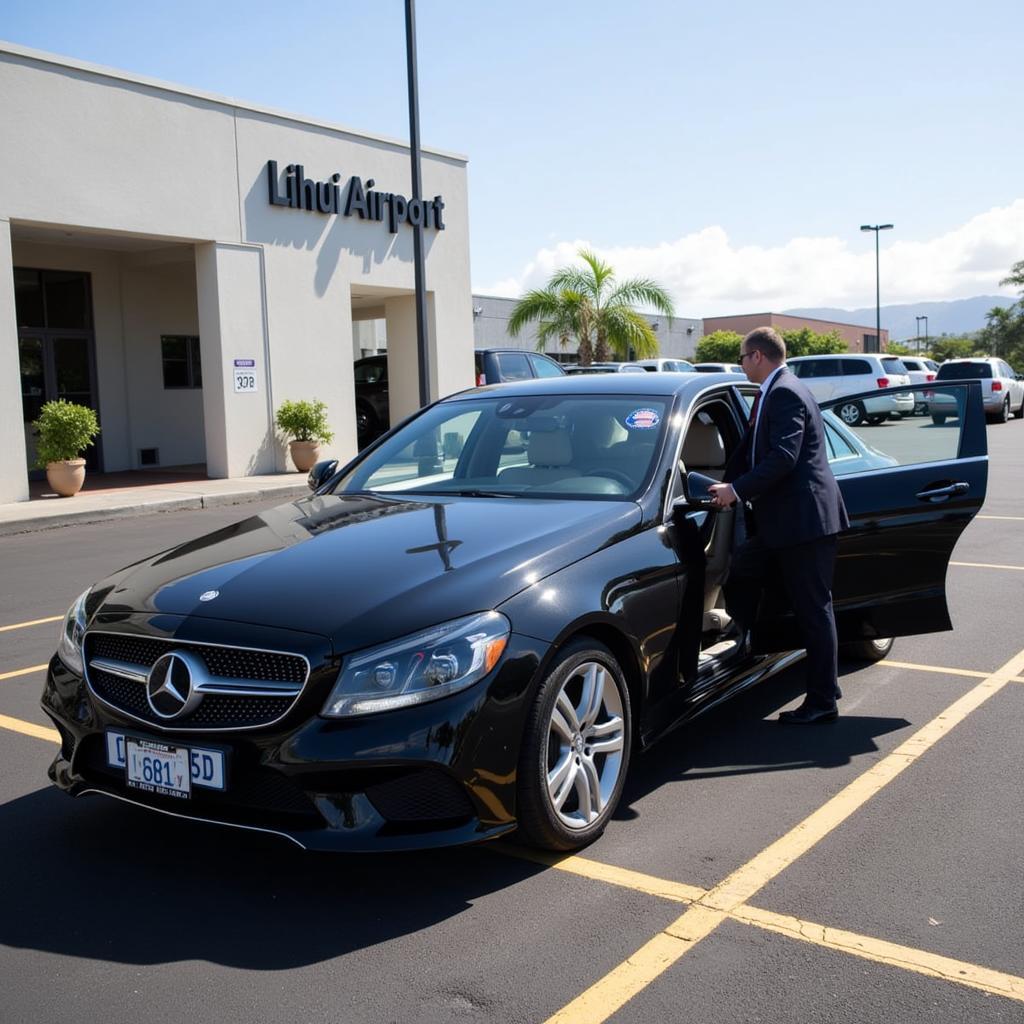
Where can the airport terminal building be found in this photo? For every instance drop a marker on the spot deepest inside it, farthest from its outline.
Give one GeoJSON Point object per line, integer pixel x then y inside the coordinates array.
{"type": "Point", "coordinates": [182, 263]}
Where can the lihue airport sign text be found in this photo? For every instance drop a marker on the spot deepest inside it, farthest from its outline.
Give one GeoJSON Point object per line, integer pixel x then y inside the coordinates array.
{"type": "Point", "coordinates": [302, 193]}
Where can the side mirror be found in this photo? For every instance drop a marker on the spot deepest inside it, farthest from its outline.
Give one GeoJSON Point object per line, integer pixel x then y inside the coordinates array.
{"type": "Point", "coordinates": [696, 487]}
{"type": "Point", "coordinates": [321, 473]}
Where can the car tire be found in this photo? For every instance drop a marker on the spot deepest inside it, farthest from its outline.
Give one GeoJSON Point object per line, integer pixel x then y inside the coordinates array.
{"type": "Point", "coordinates": [567, 790]}
{"type": "Point", "coordinates": [876, 421]}
{"type": "Point", "coordinates": [1004, 413]}
{"type": "Point", "coordinates": [938, 418]}
{"type": "Point", "coordinates": [367, 427]}
{"type": "Point", "coordinates": [1019, 414]}
{"type": "Point", "coordinates": [851, 413]}
{"type": "Point", "coordinates": [866, 650]}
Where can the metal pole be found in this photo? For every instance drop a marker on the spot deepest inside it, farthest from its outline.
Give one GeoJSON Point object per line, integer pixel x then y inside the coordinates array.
{"type": "Point", "coordinates": [878, 299]}
{"type": "Point", "coordinates": [918, 334]}
{"type": "Point", "coordinates": [417, 230]}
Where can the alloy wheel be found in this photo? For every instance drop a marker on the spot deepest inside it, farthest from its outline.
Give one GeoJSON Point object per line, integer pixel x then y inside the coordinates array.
{"type": "Point", "coordinates": [850, 413]}
{"type": "Point", "coordinates": [586, 742]}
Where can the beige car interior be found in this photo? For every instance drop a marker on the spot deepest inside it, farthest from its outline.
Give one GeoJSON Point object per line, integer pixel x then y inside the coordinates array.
{"type": "Point", "coordinates": [704, 451]}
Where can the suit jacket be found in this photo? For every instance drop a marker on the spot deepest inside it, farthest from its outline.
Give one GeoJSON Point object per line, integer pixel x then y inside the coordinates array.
{"type": "Point", "coordinates": [789, 482]}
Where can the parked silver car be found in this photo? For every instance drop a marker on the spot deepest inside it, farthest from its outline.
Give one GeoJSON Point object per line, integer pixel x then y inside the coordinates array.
{"type": "Point", "coordinates": [1002, 388]}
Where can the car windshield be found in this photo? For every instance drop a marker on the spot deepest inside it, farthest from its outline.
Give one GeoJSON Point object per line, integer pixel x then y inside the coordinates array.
{"type": "Point", "coordinates": [541, 446]}
{"type": "Point", "coordinates": [893, 365]}
{"type": "Point", "coordinates": [964, 371]}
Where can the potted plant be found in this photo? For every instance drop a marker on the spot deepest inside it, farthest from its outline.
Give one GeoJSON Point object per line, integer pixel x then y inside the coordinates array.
{"type": "Point", "coordinates": [306, 423]}
{"type": "Point", "coordinates": [65, 430]}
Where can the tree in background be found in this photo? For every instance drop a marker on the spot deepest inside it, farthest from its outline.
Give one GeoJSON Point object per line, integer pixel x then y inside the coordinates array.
{"type": "Point", "coordinates": [949, 346]}
{"type": "Point", "coordinates": [724, 346]}
{"type": "Point", "coordinates": [586, 303]}
{"type": "Point", "coordinates": [897, 348]}
{"type": "Point", "coordinates": [1003, 334]}
{"type": "Point", "coordinates": [719, 347]}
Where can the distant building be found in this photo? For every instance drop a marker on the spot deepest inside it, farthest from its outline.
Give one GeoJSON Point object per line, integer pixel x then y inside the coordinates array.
{"type": "Point", "coordinates": [676, 339]}
{"type": "Point", "coordinates": [857, 337]}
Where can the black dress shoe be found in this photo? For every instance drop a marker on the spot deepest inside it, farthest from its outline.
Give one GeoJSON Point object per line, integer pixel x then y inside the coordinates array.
{"type": "Point", "coordinates": [808, 716]}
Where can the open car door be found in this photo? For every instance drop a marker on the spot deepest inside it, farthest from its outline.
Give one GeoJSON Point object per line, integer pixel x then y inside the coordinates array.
{"type": "Point", "coordinates": [911, 485]}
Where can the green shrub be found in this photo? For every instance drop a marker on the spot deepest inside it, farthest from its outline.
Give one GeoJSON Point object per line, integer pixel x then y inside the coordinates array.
{"type": "Point", "coordinates": [305, 421]}
{"type": "Point", "coordinates": [65, 430]}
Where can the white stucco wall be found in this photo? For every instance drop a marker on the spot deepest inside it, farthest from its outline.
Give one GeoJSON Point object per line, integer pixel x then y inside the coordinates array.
{"type": "Point", "coordinates": [112, 153]}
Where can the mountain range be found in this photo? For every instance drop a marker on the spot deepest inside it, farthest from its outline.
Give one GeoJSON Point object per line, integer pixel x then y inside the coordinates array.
{"type": "Point", "coordinates": [959, 316]}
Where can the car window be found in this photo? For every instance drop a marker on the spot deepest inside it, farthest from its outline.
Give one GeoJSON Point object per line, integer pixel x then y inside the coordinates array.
{"type": "Point", "coordinates": [893, 365]}
{"type": "Point", "coordinates": [855, 367]}
{"type": "Point", "coordinates": [544, 367]}
{"type": "Point", "coordinates": [814, 368]}
{"type": "Point", "coordinates": [736, 369]}
{"type": "Point", "coordinates": [550, 446]}
{"type": "Point", "coordinates": [909, 440]}
{"type": "Point", "coordinates": [964, 371]}
{"type": "Point", "coordinates": [372, 371]}
{"type": "Point", "coordinates": [912, 364]}
{"type": "Point", "coordinates": [513, 366]}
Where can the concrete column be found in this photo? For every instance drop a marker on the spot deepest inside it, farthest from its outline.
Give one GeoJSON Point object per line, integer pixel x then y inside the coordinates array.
{"type": "Point", "coordinates": [403, 359]}
{"type": "Point", "coordinates": [13, 464]}
{"type": "Point", "coordinates": [239, 430]}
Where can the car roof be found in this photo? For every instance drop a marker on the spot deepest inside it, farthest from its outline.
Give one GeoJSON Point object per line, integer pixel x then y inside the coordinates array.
{"type": "Point", "coordinates": [640, 384]}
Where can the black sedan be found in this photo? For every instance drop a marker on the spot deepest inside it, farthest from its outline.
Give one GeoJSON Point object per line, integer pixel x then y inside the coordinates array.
{"type": "Point", "coordinates": [474, 625]}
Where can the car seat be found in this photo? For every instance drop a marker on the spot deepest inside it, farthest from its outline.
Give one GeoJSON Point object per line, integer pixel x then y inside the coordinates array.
{"type": "Point", "coordinates": [549, 454]}
{"type": "Point", "coordinates": [704, 451]}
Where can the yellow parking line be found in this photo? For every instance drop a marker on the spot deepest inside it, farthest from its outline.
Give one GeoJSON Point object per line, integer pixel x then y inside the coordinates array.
{"type": "Point", "coordinates": [598, 871]}
{"type": "Point", "coordinates": [612, 991]}
{"type": "Point", "coordinates": [865, 946]}
{"type": "Point", "coordinates": [28, 729]}
{"type": "Point", "coordinates": [1014, 518]}
{"type": "Point", "coordinates": [889, 663]}
{"type": "Point", "coordinates": [31, 622]}
{"type": "Point", "coordinates": [22, 671]}
{"type": "Point", "coordinates": [910, 959]}
{"type": "Point", "coordinates": [986, 565]}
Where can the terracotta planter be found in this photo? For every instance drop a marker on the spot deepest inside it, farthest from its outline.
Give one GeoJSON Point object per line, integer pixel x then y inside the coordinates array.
{"type": "Point", "coordinates": [66, 477]}
{"type": "Point", "coordinates": [304, 454]}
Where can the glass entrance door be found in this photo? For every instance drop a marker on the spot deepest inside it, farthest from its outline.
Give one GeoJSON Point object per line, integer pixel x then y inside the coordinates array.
{"type": "Point", "coordinates": [56, 347]}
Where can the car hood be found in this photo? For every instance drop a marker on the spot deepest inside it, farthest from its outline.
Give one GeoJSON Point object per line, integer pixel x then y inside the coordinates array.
{"type": "Point", "coordinates": [362, 569]}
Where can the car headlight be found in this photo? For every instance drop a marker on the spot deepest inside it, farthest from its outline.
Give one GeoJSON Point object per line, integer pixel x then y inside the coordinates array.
{"type": "Point", "coordinates": [72, 630]}
{"type": "Point", "coordinates": [425, 666]}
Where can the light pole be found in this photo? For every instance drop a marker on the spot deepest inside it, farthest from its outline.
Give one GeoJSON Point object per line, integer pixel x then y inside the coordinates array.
{"type": "Point", "coordinates": [417, 231]}
{"type": "Point", "coordinates": [923, 317]}
{"type": "Point", "coordinates": [878, 295]}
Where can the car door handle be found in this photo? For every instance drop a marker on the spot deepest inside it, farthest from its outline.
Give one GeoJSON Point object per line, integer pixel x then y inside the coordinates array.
{"type": "Point", "coordinates": [938, 494]}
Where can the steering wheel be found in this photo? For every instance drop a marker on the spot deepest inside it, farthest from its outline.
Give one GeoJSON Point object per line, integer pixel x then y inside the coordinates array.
{"type": "Point", "coordinates": [613, 474]}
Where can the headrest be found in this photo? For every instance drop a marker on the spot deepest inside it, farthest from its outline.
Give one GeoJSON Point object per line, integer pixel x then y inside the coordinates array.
{"type": "Point", "coordinates": [703, 446]}
{"type": "Point", "coordinates": [549, 448]}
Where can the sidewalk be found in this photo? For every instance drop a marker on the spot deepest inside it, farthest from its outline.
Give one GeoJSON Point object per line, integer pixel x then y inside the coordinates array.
{"type": "Point", "coordinates": [122, 495]}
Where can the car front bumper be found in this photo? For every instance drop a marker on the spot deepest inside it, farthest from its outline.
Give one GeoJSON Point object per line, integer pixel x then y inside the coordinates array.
{"type": "Point", "coordinates": [438, 774]}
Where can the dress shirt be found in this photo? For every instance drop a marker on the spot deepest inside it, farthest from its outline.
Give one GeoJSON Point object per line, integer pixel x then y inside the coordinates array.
{"type": "Point", "coordinates": [765, 385]}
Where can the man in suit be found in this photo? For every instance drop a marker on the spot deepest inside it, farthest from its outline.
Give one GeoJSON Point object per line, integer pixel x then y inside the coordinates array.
{"type": "Point", "coordinates": [780, 473]}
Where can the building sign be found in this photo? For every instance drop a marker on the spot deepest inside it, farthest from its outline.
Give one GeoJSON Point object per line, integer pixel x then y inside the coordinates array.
{"type": "Point", "coordinates": [302, 193]}
{"type": "Point", "coordinates": [245, 376]}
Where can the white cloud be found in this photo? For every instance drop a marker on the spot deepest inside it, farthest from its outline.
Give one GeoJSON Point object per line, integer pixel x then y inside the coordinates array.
{"type": "Point", "coordinates": [708, 275]}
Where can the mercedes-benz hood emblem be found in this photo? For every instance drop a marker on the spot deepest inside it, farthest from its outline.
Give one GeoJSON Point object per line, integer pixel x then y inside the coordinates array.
{"type": "Point", "coordinates": [170, 688]}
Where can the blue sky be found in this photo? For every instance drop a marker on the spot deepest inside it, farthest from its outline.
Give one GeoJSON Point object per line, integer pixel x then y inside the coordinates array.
{"type": "Point", "coordinates": [729, 150]}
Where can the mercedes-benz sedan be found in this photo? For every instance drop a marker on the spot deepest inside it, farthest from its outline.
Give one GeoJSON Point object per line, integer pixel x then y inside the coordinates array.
{"type": "Point", "coordinates": [476, 624]}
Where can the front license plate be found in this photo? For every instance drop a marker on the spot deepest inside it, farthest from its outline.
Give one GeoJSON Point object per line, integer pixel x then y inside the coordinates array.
{"type": "Point", "coordinates": [165, 768]}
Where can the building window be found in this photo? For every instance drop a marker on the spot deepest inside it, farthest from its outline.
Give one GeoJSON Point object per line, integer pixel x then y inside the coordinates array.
{"type": "Point", "coordinates": [182, 366]}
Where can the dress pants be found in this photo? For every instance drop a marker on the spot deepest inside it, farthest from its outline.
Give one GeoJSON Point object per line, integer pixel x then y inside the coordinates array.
{"type": "Point", "coordinates": [805, 572]}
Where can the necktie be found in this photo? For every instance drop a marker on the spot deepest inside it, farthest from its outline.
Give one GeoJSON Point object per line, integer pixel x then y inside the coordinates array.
{"type": "Point", "coordinates": [753, 410]}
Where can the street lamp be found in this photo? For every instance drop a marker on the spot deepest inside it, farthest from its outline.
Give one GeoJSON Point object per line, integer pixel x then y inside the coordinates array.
{"type": "Point", "coordinates": [878, 295]}
{"type": "Point", "coordinates": [923, 317]}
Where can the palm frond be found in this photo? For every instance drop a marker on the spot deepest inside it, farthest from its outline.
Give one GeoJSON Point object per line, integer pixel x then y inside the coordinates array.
{"type": "Point", "coordinates": [642, 291]}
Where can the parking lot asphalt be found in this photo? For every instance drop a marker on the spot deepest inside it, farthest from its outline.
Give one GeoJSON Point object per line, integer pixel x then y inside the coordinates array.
{"type": "Point", "coordinates": [866, 871]}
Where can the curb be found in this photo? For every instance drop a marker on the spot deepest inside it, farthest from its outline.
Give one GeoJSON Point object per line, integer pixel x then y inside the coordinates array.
{"type": "Point", "coordinates": [99, 515]}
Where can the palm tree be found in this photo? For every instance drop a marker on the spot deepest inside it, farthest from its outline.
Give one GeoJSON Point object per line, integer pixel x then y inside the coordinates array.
{"type": "Point", "coordinates": [585, 302]}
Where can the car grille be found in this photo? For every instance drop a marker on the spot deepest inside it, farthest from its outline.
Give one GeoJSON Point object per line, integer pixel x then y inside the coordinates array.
{"type": "Point", "coordinates": [241, 688]}
{"type": "Point", "coordinates": [421, 796]}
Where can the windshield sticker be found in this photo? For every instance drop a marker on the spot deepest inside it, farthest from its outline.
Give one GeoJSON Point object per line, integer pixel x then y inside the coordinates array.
{"type": "Point", "coordinates": [642, 419]}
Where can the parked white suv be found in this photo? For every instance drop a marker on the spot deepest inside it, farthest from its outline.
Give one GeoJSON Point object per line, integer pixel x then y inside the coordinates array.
{"type": "Point", "coordinates": [1002, 389]}
{"type": "Point", "coordinates": [830, 377]}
